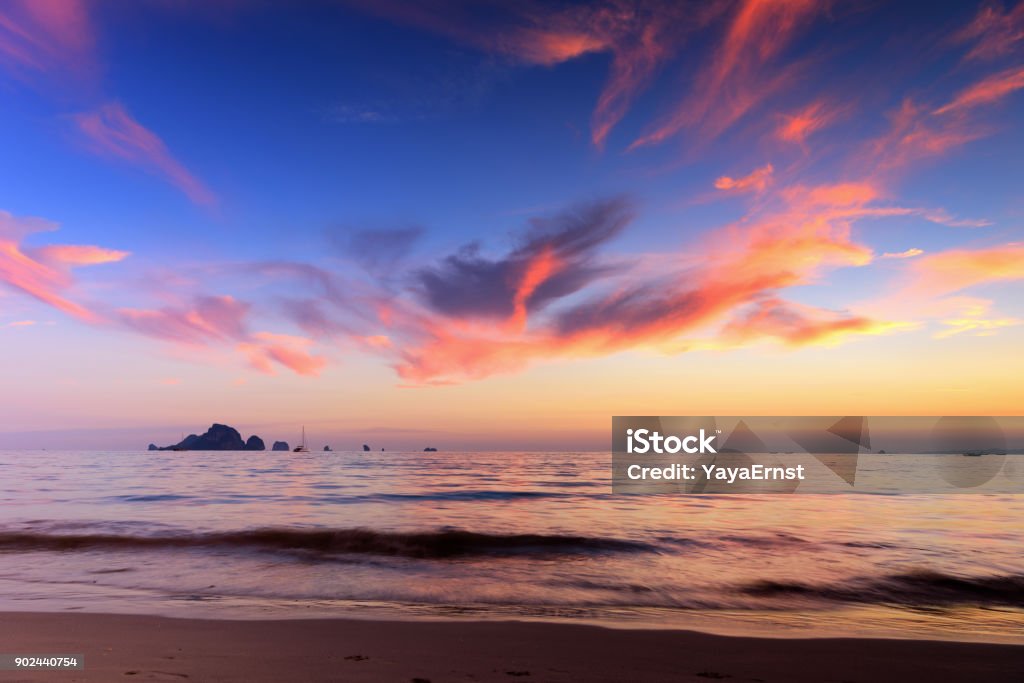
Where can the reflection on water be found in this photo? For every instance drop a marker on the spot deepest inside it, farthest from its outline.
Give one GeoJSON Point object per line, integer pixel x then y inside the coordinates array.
{"type": "Point", "coordinates": [496, 535]}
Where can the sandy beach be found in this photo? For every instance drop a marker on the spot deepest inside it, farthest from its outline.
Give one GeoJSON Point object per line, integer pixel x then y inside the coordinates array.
{"type": "Point", "coordinates": [124, 647]}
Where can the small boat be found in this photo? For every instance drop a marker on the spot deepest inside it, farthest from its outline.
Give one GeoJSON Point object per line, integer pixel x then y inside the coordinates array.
{"type": "Point", "coordinates": [302, 448]}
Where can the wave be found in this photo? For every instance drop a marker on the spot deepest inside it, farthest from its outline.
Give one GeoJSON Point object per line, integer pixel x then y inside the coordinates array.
{"type": "Point", "coordinates": [355, 499]}
{"type": "Point", "coordinates": [922, 588]}
{"type": "Point", "coordinates": [444, 543]}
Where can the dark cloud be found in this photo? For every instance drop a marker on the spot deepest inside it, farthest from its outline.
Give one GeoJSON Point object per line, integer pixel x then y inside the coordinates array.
{"type": "Point", "coordinates": [468, 284]}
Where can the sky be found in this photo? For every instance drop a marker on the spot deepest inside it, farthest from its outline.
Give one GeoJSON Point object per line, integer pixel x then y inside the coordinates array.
{"type": "Point", "coordinates": [496, 225]}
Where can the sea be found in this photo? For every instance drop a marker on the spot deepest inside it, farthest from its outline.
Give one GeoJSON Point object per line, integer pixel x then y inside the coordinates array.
{"type": "Point", "coordinates": [497, 535]}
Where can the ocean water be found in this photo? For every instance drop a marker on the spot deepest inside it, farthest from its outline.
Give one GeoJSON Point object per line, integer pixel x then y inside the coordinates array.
{"type": "Point", "coordinates": [497, 535]}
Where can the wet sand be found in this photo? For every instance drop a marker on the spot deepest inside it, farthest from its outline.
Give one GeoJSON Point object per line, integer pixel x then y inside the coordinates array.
{"type": "Point", "coordinates": [130, 648]}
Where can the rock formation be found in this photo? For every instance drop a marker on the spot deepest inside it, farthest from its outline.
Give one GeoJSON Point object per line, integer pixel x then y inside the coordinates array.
{"type": "Point", "coordinates": [255, 443]}
{"type": "Point", "coordinates": [217, 438]}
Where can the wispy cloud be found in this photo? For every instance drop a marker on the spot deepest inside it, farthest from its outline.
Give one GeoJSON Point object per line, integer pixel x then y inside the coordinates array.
{"type": "Point", "coordinates": [223, 321]}
{"type": "Point", "coordinates": [956, 269]}
{"type": "Point", "coordinates": [909, 253]}
{"type": "Point", "coordinates": [814, 117]}
{"type": "Point", "coordinates": [756, 181]}
{"type": "Point", "coordinates": [994, 32]}
{"type": "Point", "coordinates": [266, 348]}
{"type": "Point", "coordinates": [988, 90]}
{"type": "Point", "coordinates": [737, 77]}
{"type": "Point", "coordinates": [915, 133]}
{"type": "Point", "coordinates": [641, 37]}
{"type": "Point", "coordinates": [208, 318]}
{"type": "Point", "coordinates": [44, 37]}
{"type": "Point", "coordinates": [44, 273]}
{"type": "Point", "coordinates": [799, 325]}
{"type": "Point", "coordinates": [111, 132]}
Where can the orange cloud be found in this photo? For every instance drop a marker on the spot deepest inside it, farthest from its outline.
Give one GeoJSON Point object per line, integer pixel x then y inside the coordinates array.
{"type": "Point", "coordinates": [757, 180]}
{"type": "Point", "coordinates": [740, 264]}
{"type": "Point", "coordinates": [45, 273]}
{"type": "Point", "coordinates": [549, 47]}
{"type": "Point", "coordinates": [797, 325]}
{"type": "Point", "coordinates": [538, 269]}
{"type": "Point", "coordinates": [110, 131]}
{"type": "Point", "coordinates": [796, 128]}
{"type": "Point", "coordinates": [738, 78]}
{"type": "Point", "coordinates": [956, 269]}
{"type": "Point", "coordinates": [988, 90]}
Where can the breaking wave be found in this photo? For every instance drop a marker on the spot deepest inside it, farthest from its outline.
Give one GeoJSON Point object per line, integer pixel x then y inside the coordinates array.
{"type": "Point", "coordinates": [923, 588]}
{"type": "Point", "coordinates": [444, 543]}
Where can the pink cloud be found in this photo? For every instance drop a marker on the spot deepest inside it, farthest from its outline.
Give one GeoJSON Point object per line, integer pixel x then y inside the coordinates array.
{"type": "Point", "coordinates": [79, 255]}
{"type": "Point", "coordinates": [208, 319]}
{"type": "Point", "coordinates": [995, 32]}
{"type": "Point", "coordinates": [221, 320]}
{"type": "Point", "coordinates": [266, 348]}
{"type": "Point", "coordinates": [44, 36]}
{"type": "Point", "coordinates": [110, 131]}
{"type": "Point", "coordinates": [44, 273]}
{"type": "Point", "coordinates": [914, 133]}
{"type": "Point", "coordinates": [909, 253]}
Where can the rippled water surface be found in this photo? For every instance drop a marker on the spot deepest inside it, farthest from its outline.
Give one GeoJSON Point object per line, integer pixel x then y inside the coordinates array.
{"type": "Point", "coordinates": [496, 535]}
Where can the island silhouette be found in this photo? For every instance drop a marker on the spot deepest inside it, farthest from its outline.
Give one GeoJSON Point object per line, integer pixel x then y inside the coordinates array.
{"type": "Point", "coordinates": [222, 437]}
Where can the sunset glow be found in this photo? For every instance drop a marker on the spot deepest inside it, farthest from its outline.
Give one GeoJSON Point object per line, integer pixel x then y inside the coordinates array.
{"type": "Point", "coordinates": [496, 225]}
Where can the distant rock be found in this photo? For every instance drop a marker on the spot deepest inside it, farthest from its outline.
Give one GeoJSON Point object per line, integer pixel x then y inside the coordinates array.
{"type": "Point", "coordinates": [327, 448]}
{"type": "Point", "coordinates": [280, 446]}
{"type": "Point", "coordinates": [217, 438]}
{"type": "Point", "coordinates": [430, 449]}
{"type": "Point", "coordinates": [153, 447]}
{"type": "Point", "coordinates": [255, 443]}
{"type": "Point", "coordinates": [365, 448]}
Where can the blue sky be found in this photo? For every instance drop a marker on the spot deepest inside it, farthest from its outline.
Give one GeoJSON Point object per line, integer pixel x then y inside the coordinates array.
{"type": "Point", "coordinates": [443, 199]}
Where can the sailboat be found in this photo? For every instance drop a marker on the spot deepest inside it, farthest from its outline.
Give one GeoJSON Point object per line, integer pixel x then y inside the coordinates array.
{"type": "Point", "coordinates": [301, 448]}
